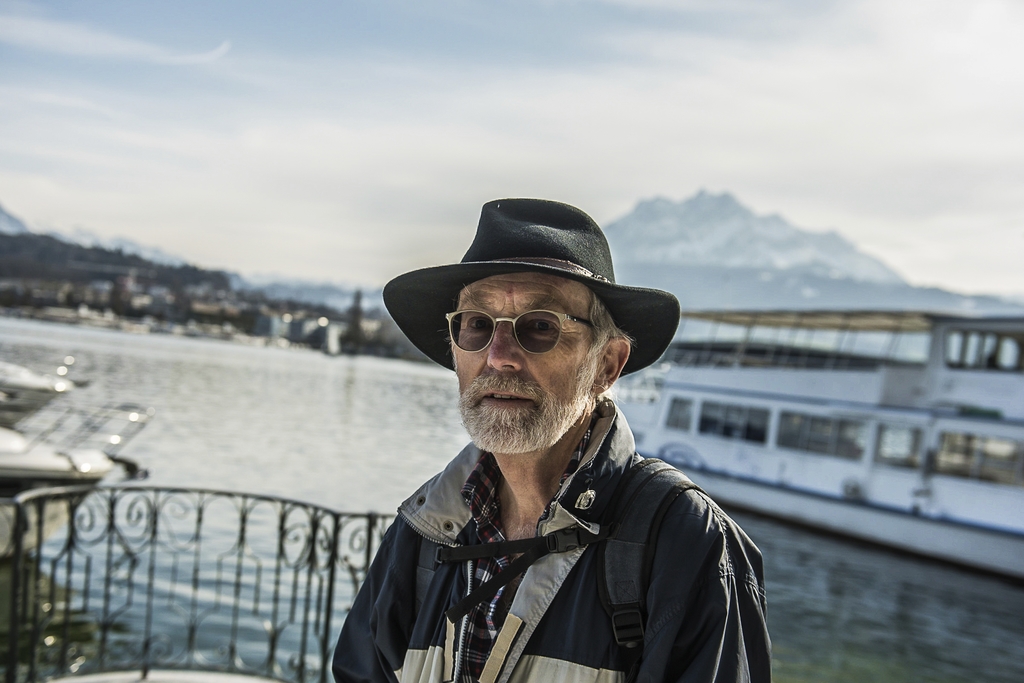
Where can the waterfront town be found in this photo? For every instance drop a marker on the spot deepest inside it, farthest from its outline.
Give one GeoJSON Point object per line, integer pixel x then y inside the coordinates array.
{"type": "Point", "coordinates": [46, 278]}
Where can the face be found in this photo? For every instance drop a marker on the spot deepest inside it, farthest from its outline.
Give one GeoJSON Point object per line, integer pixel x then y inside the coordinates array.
{"type": "Point", "coordinates": [513, 401]}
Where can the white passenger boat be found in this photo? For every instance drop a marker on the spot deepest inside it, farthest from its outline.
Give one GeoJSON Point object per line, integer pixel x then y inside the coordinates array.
{"type": "Point", "coordinates": [905, 429]}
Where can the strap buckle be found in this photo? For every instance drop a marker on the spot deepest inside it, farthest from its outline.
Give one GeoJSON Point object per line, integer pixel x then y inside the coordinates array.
{"type": "Point", "coordinates": [564, 540]}
{"type": "Point", "coordinates": [628, 625]}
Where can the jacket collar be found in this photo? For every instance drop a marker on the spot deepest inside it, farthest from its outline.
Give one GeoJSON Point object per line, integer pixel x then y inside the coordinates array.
{"type": "Point", "coordinates": [584, 496]}
{"type": "Point", "coordinates": [438, 511]}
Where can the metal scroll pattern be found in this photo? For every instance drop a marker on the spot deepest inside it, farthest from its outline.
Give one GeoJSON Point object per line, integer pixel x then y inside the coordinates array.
{"type": "Point", "coordinates": [133, 579]}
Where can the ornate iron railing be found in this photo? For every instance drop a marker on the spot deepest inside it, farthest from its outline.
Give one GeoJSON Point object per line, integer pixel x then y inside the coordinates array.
{"type": "Point", "coordinates": [138, 578]}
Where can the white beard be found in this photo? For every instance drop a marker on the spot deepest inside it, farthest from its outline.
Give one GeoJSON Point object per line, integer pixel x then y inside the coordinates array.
{"type": "Point", "coordinates": [526, 430]}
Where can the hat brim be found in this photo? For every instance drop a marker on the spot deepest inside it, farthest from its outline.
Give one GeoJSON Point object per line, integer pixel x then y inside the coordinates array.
{"type": "Point", "coordinates": [419, 300]}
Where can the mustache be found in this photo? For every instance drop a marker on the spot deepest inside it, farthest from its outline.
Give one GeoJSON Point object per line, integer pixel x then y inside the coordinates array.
{"type": "Point", "coordinates": [502, 384]}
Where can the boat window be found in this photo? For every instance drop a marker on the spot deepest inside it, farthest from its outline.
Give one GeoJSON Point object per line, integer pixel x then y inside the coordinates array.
{"type": "Point", "coordinates": [850, 439]}
{"type": "Point", "coordinates": [954, 348]}
{"type": "Point", "coordinates": [734, 421]}
{"type": "Point", "coordinates": [911, 347]}
{"type": "Point", "coordinates": [987, 458]}
{"type": "Point", "coordinates": [790, 430]}
{"type": "Point", "coordinates": [819, 435]}
{"type": "Point", "coordinates": [870, 344]}
{"type": "Point", "coordinates": [712, 416]}
{"type": "Point", "coordinates": [680, 414]}
{"type": "Point", "coordinates": [983, 351]}
{"type": "Point", "coordinates": [898, 446]}
{"type": "Point", "coordinates": [760, 334]}
{"type": "Point", "coordinates": [757, 425]}
{"type": "Point", "coordinates": [955, 456]}
{"type": "Point", "coordinates": [1009, 354]}
{"type": "Point", "coordinates": [971, 352]}
{"type": "Point", "coordinates": [1001, 461]}
{"type": "Point", "coordinates": [989, 348]}
{"type": "Point", "coordinates": [823, 435]}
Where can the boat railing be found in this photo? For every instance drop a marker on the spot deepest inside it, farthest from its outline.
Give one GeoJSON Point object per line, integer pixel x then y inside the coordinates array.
{"type": "Point", "coordinates": [749, 354]}
{"type": "Point", "coordinates": [136, 579]}
{"type": "Point", "coordinates": [108, 427]}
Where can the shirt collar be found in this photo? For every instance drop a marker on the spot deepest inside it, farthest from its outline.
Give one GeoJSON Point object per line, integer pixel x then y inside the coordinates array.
{"type": "Point", "coordinates": [481, 488]}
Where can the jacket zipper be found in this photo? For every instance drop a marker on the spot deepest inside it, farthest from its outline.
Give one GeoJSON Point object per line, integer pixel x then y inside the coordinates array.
{"type": "Point", "coordinates": [469, 589]}
{"type": "Point", "coordinates": [463, 628]}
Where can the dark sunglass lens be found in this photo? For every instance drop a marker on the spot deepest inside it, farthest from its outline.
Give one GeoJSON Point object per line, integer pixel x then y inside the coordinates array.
{"type": "Point", "coordinates": [471, 330]}
{"type": "Point", "coordinates": [538, 331]}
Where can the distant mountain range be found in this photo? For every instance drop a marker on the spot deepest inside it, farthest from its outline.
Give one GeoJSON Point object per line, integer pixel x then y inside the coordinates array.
{"type": "Point", "coordinates": [712, 252]}
{"type": "Point", "coordinates": [282, 288]}
{"type": "Point", "coordinates": [709, 250]}
{"type": "Point", "coordinates": [12, 225]}
{"type": "Point", "coordinates": [274, 287]}
{"type": "Point", "coordinates": [88, 238]}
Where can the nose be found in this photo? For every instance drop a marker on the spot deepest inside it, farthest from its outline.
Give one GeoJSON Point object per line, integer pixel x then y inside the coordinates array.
{"type": "Point", "coordinates": [505, 353]}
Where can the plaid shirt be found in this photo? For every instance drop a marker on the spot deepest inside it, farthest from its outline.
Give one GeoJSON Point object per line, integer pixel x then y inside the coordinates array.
{"type": "Point", "coordinates": [481, 494]}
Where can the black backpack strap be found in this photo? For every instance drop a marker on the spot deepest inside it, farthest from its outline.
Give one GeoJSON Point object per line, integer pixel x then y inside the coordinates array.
{"type": "Point", "coordinates": [426, 564]}
{"type": "Point", "coordinates": [624, 564]}
{"type": "Point", "coordinates": [532, 549]}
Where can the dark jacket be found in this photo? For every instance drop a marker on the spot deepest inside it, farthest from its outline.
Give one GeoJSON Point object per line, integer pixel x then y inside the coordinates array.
{"type": "Point", "coordinates": [705, 602]}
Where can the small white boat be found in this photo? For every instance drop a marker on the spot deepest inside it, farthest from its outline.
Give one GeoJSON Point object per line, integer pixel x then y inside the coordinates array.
{"type": "Point", "coordinates": [900, 428]}
{"type": "Point", "coordinates": [79, 446]}
{"type": "Point", "coordinates": [23, 392]}
{"type": "Point", "coordinates": [61, 446]}
{"type": "Point", "coordinates": [24, 464]}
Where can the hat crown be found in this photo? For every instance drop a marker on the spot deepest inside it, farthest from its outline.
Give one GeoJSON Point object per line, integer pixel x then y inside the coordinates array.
{"type": "Point", "coordinates": [524, 229]}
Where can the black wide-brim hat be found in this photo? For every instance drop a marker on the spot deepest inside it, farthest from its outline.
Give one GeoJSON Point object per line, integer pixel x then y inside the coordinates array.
{"type": "Point", "coordinates": [532, 235]}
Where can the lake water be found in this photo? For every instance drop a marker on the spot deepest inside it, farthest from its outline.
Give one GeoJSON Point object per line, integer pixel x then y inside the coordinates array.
{"type": "Point", "coordinates": [361, 433]}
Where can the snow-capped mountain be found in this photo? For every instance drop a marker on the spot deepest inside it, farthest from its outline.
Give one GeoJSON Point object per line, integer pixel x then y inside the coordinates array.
{"type": "Point", "coordinates": [284, 288]}
{"type": "Point", "coordinates": [11, 225]}
{"type": "Point", "coordinates": [87, 238]}
{"type": "Point", "coordinates": [716, 230]}
{"type": "Point", "coordinates": [714, 253]}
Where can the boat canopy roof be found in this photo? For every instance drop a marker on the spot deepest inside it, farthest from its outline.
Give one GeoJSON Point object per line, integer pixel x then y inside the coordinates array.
{"type": "Point", "coordinates": [853, 320]}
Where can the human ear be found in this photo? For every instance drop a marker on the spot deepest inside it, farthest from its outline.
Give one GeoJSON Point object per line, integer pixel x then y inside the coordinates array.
{"type": "Point", "coordinates": [613, 359]}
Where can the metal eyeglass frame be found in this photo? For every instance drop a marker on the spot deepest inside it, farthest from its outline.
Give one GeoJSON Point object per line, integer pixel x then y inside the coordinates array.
{"type": "Point", "coordinates": [562, 317]}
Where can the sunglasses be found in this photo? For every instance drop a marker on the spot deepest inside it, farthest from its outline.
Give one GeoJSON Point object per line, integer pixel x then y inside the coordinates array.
{"type": "Point", "coordinates": [536, 331]}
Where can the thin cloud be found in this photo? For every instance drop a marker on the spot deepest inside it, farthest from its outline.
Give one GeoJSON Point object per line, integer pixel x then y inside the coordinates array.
{"type": "Point", "coordinates": [201, 58]}
{"type": "Point", "coordinates": [54, 99]}
{"type": "Point", "coordinates": [82, 41]}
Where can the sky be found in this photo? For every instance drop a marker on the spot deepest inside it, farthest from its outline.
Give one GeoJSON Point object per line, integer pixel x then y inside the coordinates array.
{"type": "Point", "coordinates": [352, 140]}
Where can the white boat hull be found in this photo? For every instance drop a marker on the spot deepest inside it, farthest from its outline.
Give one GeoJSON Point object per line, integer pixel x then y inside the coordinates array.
{"type": "Point", "coordinates": [977, 547]}
{"type": "Point", "coordinates": [955, 517]}
{"type": "Point", "coordinates": [24, 464]}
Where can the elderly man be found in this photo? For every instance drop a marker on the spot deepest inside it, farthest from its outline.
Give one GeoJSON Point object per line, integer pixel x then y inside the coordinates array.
{"type": "Point", "coordinates": [507, 565]}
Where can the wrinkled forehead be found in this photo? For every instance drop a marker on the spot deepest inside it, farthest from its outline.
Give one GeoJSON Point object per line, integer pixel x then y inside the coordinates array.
{"type": "Point", "coordinates": [526, 291]}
